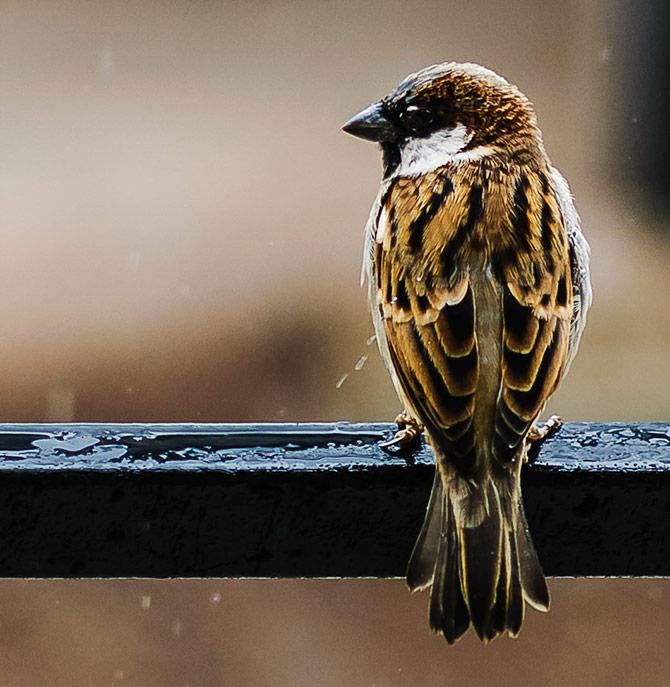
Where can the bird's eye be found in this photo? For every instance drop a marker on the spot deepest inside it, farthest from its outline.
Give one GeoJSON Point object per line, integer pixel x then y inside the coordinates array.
{"type": "Point", "coordinates": [417, 118]}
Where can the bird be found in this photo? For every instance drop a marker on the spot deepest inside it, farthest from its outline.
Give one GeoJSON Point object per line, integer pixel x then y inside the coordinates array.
{"type": "Point", "coordinates": [479, 287]}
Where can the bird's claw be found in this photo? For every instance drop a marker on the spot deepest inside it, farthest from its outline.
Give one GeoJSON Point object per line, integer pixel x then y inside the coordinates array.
{"type": "Point", "coordinates": [408, 434]}
{"type": "Point", "coordinates": [537, 435]}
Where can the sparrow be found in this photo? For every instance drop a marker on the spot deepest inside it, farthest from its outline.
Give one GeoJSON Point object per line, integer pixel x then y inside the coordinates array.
{"type": "Point", "coordinates": [479, 288]}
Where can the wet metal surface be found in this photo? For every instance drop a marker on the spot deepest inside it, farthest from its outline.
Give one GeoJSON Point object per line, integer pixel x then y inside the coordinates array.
{"type": "Point", "coordinates": [296, 500]}
{"type": "Point", "coordinates": [298, 447]}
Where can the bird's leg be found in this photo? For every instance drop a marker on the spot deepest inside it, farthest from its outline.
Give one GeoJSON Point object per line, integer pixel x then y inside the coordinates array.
{"type": "Point", "coordinates": [537, 435]}
{"type": "Point", "coordinates": [408, 434]}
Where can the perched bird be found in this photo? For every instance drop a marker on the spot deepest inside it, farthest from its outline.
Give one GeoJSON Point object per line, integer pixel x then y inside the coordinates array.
{"type": "Point", "coordinates": [479, 287]}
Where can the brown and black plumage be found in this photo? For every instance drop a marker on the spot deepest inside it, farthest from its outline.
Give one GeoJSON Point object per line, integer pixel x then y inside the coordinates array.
{"type": "Point", "coordinates": [479, 287]}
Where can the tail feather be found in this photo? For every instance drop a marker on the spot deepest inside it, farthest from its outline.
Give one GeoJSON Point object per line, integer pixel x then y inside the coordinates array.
{"type": "Point", "coordinates": [480, 557]}
{"type": "Point", "coordinates": [475, 550]}
{"type": "Point", "coordinates": [534, 584]}
{"type": "Point", "coordinates": [515, 605]}
{"type": "Point", "coordinates": [448, 611]}
{"type": "Point", "coordinates": [499, 613]}
{"type": "Point", "coordinates": [425, 553]}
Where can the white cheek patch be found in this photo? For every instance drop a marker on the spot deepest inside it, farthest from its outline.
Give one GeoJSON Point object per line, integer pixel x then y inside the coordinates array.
{"type": "Point", "coordinates": [422, 155]}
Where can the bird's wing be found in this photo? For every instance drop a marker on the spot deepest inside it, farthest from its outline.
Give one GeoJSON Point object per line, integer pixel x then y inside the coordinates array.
{"type": "Point", "coordinates": [537, 309]}
{"type": "Point", "coordinates": [427, 306]}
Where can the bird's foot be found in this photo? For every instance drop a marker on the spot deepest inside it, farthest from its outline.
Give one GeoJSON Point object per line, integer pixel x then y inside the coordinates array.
{"type": "Point", "coordinates": [408, 434]}
{"type": "Point", "coordinates": [537, 435]}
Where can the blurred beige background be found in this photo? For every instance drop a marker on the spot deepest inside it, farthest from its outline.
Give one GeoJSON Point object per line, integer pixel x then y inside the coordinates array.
{"type": "Point", "coordinates": [181, 237]}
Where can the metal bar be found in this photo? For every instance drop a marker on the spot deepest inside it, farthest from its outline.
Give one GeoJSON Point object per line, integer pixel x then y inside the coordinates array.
{"type": "Point", "coordinates": [303, 500]}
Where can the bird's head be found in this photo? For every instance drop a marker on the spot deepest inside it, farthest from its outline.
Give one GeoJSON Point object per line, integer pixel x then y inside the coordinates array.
{"type": "Point", "coordinates": [448, 112]}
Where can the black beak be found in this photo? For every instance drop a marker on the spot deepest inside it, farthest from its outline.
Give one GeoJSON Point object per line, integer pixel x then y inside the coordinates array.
{"type": "Point", "coordinates": [371, 125]}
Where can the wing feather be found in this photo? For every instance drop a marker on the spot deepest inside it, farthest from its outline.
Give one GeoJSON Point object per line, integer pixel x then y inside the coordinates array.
{"type": "Point", "coordinates": [537, 303]}
{"type": "Point", "coordinates": [429, 318]}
